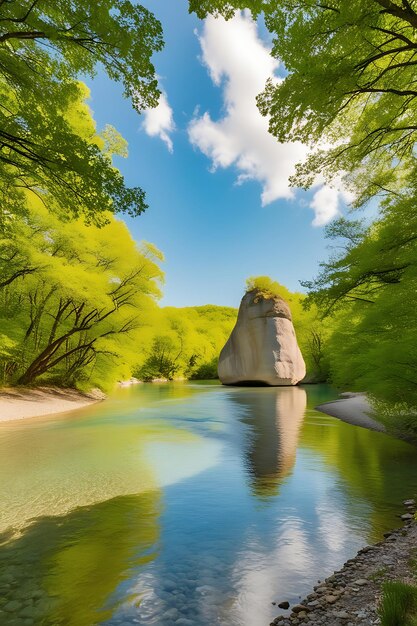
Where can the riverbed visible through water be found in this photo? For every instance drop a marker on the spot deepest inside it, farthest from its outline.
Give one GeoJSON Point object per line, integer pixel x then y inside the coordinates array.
{"type": "Point", "coordinates": [187, 504]}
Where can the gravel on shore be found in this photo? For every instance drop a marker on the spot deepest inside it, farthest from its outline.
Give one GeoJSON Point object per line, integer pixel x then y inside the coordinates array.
{"type": "Point", "coordinates": [351, 596]}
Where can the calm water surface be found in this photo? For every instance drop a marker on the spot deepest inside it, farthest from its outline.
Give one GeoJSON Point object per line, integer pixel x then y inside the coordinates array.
{"type": "Point", "coordinates": [187, 505]}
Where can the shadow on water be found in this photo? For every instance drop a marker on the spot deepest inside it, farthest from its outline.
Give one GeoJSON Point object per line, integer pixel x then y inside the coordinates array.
{"type": "Point", "coordinates": [66, 570]}
{"type": "Point", "coordinates": [274, 417]}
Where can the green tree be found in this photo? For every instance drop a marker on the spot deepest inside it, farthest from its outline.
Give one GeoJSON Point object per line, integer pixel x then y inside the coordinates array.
{"type": "Point", "coordinates": [264, 286]}
{"type": "Point", "coordinates": [187, 341]}
{"type": "Point", "coordinates": [370, 289]}
{"type": "Point", "coordinates": [350, 85]}
{"type": "Point", "coordinates": [44, 48]}
{"type": "Point", "coordinates": [76, 317]}
{"type": "Point", "coordinates": [163, 360]}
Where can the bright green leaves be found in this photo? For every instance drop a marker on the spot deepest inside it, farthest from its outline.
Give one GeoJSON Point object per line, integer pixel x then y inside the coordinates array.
{"type": "Point", "coordinates": [226, 8]}
{"type": "Point", "coordinates": [70, 38]}
{"type": "Point", "coordinates": [350, 89]}
{"type": "Point", "coordinates": [264, 286]}
{"type": "Point", "coordinates": [44, 47]}
{"type": "Point", "coordinates": [74, 300]}
{"type": "Point", "coordinates": [371, 288]}
{"type": "Point", "coordinates": [186, 342]}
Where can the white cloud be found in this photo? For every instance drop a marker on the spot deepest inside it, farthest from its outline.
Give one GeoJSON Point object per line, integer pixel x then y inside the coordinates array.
{"type": "Point", "coordinates": [325, 205]}
{"type": "Point", "coordinates": [326, 201]}
{"type": "Point", "coordinates": [159, 122]}
{"type": "Point", "coordinates": [240, 63]}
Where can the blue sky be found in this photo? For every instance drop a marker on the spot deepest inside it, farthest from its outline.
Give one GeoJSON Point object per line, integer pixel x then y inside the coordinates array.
{"type": "Point", "coordinates": [214, 232]}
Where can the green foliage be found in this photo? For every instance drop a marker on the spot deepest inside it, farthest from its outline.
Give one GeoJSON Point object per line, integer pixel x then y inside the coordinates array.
{"type": "Point", "coordinates": [206, 371]}
{"type": "Point", "coordinates": [370, 287]}
{"type": "Point", "coordinates": [48, 143]}
{"type": "Point", "coordinates": [186, 342]}
{"type": "Point", "coordinates": [399, 418]}
{"type": "Point", "coordinates": [399, 604]}
{"type": "Point", "coordinates": [264, 286]}
{"type": "Point", "coordinates": [74, 300]}
{"type": "Point", "coordinates": [163, 360]}
{"type": "Point", "coordinates": [349, 92]}
{"type": "Point", "coordinates": [226, 8]}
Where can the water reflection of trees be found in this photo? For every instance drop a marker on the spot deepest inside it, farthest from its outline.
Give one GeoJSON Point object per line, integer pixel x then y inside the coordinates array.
{"type": "Point", "coordinates": [56, 468]}
{"type": "Point", "coordinates": [377, 469]}
{"type": "Point", "coordinates": [70, 529]}
{"type": "Point", "coordinates": [66, 570]}
{"type": "Point", "coordinates": [274, 416]}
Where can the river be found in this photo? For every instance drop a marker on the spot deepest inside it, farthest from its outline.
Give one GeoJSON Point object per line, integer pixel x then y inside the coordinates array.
{"type": "Point", "coordinates": [187, 504]}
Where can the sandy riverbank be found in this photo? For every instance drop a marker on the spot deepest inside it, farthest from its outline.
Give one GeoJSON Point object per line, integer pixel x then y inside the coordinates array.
{"type": "Point", "coordinates": [353, 408]}
{"type": "Point", "coordinates": [17, 403]}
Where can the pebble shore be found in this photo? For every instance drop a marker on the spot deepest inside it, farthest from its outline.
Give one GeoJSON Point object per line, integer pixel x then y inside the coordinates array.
{"type": "Point", "coordinates": [350, 596]}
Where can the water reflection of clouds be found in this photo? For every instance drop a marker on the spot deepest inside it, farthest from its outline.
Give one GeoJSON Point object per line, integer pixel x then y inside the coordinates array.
{"type": "Point", "coordinates": [173, 462]}
{"type": "Point", "coordinates": [284, 563]}
{"type": "Point", "coordinates": [262, 574]}
{"type": "Point", "coordinates": [245, 516]}
{"type": "Point", "coordinates": [55, 470]}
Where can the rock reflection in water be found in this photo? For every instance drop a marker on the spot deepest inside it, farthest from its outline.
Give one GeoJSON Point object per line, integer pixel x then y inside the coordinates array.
{"type": "Point", "coordinates": [187, 508]}
{"type": "Point", "coordinates": [275, 417]}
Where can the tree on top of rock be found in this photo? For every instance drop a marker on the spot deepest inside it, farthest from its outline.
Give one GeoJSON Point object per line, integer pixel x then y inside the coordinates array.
{"type": "Point", "coordinates": [264, 286]}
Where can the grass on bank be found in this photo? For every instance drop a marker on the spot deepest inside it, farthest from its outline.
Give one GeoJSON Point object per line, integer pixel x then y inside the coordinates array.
{"type": "Point", "coordinates": [399, 419]}
{"type": "Point", "coordinates": [399, 604]}
{"type": "Point", "coordinates": [399, 601]}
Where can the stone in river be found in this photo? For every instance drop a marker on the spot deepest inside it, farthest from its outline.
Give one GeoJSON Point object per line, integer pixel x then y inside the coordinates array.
{"type": "Point", "coordinates": [262, 347]}
{"type": "Point", "coordinates": [284, 605]}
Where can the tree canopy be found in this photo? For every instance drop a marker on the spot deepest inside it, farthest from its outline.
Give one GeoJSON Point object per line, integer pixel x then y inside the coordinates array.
{"type": "Point", "coordinates": [370, 287]}
{"type": "Point", "coordinates": [186, 342]}
{"type": "Point", "coordinates": [73, 301]}
{"type": "Point", "coordinates": [44, 48]}
{"type": "Point", "coordinates": [349, 92]}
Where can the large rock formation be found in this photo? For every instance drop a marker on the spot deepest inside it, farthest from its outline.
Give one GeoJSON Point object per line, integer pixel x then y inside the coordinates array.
{"type": "Point", "coordinates": [262, 347]}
